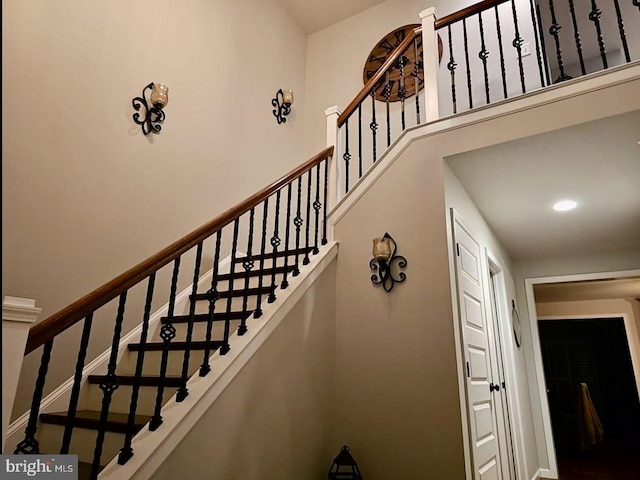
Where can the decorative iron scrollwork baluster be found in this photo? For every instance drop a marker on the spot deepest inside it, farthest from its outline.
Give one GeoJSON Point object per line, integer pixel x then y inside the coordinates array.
{"type": "Point", "coordinates": [402, 89]}
{"type": "Point", "coordinates": [360, 140]}
{"type": "Point", "coordinates": [183, 391]}
{"type": "Point", "coordinates": [316, 208]}
{"type": "Point", "coordinates": [167, 333]}
{"type": "Point", "coordinates": [30, 444]}
{"type": "Point", "coordinates": [483, 55]}
{"type": "Point", "coordinates": [451, 66]}
{"type": "Point", "coordinates": [126, 452]}
{"type": "Point", "coordinates": [501, 50]}
{"type": "Point", "coordinates": [298, 222]}
{"type": "Point", "coordinates": [517, 44]}
{"type": "Point", "coordinates": [537, 41]}
{"type": "Point", "coordinates": [466, 57]}
{"type": "Point", "coordinates": [305, 260]}
{"type": "Point", "coordinates": [212, 296]}
{"type": "Point", "coordinates": [595, 16]}
{"type": "Point", "coordinates": [623, 35]}
{"type": "Point", "coordinates": [285, 283]}
{"type": "Point", "coordinates": [326, 201]}
{"type": "Point", "coordinates": [108, 385]}
{"type": "Point", "coordinates": [346, 156]}
{"type": "Point", "coordinates": [388, 85]}
{"type": "Point", "coordinates": [77, 382]}
{"type": "Point", "coordinates": [576, 36]}
{"type": "Point", "coordinates": [247, 265]}
{"type": "Point", "coordinates": [373, 125]}
{"type": "Point", "coordinates": [257, 313]}
{"type": "Point", "coordinates": [275, 243]}
{"type": "Point", "coordinates": [232, 270]}
{"type": "Point", "coordinates": [416, 77]}
{"type": "Point", "coordinates": [554, 30]}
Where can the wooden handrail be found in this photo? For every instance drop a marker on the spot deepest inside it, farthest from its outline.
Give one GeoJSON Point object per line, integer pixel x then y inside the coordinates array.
{"type": "Point", "coordinates": [373, 81]}
{"type": "Point", "coordinates": [466, 12]}
{"type": "Point", "coordinates": [67, 317]}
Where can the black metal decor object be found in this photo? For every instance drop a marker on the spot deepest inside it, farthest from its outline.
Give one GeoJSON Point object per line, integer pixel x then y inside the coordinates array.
{"type": "Point", "coordinates": [152, 116]}
{"type": "Point", "coordinates": [576, 35]}
{"type": "Point", "coordinates": [373, 125]}
{"type": "Point", "coordinates": [385, 268]}
{"type": "Point", "coordinates": [517, 44]}
{"type": "Point", "coordinates": [282, 108]}
{"type": "Point", "coordinates": [346, 156]}
{"type": "Point", "coordinates": [554, 30]}
{"type": "Point", "coordinates": [451, 66]}
{"type": "Point", "coordinates": [623, 36]}
{"type": "Point", "coordinates": [594, 16]}
{"type": "Point", "coordinates": [344, 467]}
{"type": "Point", "coordinates": [275, 241]}
{"type": "Point", "coordinates": [483, 55]}
{"type": "Point", "coordinates": [316, 208]}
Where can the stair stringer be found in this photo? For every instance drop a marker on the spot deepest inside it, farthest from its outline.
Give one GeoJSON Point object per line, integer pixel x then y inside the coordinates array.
{"type": "Point", "coordinates": [58, 399]}
{"type": "Point", "coordinates": [151, 449]}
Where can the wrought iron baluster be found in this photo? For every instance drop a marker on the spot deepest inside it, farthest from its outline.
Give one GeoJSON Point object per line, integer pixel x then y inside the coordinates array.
{"type": "Point", "coordinates": [537, 41]}
{"type": "Point", "coordinates": [183, 391]}
{"type": "Point", "coordinates": [126, 452]}
{"type": "Point", "coordinates": [75, 390]}
{"type": "Point", "coordinates": [483, 55]}
{"type": "Point", "coordinates": [387, 96]}
{"type": "Point", "coordinates": [594, 16]}
{"type": "Point", "coordinates": [402, 90]}
{"type": "Point", "coordinates": [576, 36]}
{"type": "Point", "coordinates": [503, 71]}
{"type": "Point", "coordinates": [247, 265]}
{"type": "Point", "coordinates": [298, 221]}
{"type": "Point", "coordinates": [167, 333]}
{"type": "Point", "coordinates": [305, 260]}
{"type": "Point", "coordinates": [275, 243]}
{"type": "Point", "coordinates": [466, 57]}
{"type": "Point", "coordinates": [517, 44]}
{"type": "Point", "coordinates": [30, 444]}
{"type": "Point", "coordinates": [316, 207]}
{"type": "Point", "coordinates": [451, 66]}
{"type": "Point", "coordinates": [623, 35]}
{"type": "Point", "coordinates": [416, 77]}
{"type": "Point", "coordinates": [213, 297]}
{"type": "Point", "coordinates": [227, 321]}
{"type": "Point", "coordinates": [346, 156]}
{"type": "Point", "coordinates": [554, 30]}
{"type": "Point", "coordinates": [324, 211]}
{"type": "Point", "coordinates": [543, 46]}
{"type": "Point", "coordinates": [108, 386]}
{"type": "Point", "coordinates": [257, 313]}
{"type": "Point", "coordinates": [360, 140]}
{"type": "Point", "coordinates": [285, 283]}
{"type": "Point", "coordinates": [373, 125]}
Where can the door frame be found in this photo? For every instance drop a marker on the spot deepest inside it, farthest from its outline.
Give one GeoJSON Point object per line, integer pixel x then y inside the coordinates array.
{"type": "Point", "coordinates": [538, 369]}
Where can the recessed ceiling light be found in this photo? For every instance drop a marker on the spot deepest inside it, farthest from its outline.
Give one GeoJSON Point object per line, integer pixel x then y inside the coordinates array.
{"type": "Point", "coordinates": [565, 205]}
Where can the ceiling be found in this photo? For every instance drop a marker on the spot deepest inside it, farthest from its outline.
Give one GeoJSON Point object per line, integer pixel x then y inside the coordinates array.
{"type": "Point", "coordinates": [597, 164]}
{"type": "Point", "coordinates": [588, 290]}
{"type": "Point", "coordinates": [314, 15]}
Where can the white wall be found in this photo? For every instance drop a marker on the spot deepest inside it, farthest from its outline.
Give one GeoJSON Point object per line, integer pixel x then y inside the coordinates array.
{"type": "Point", "coordinates": [274, 418]}
{"type": "Point", "coordinates": [522, 419]}
{"type": "Point", "coordinates": [85, 194]}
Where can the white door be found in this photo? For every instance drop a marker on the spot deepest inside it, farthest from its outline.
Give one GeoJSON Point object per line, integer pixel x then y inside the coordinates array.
{"type": "Point", "coordinates": [475, 342]}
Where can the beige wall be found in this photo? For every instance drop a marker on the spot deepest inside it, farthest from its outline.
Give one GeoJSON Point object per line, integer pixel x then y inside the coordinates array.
{"type": "Point", "coordinates": [85, 194]}
{"type": "Point", "coordinates": [396, 396]}
{"type": "Point", "coordinates": [515, 362]}
{"type": "Point", "coordinates": [273, 420]}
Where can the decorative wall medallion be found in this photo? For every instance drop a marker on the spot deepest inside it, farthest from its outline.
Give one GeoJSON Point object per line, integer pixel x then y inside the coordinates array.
{"type": "Point", "coordinates": [411, 62]}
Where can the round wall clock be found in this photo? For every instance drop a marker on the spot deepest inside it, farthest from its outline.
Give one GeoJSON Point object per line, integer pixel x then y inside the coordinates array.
{"type": "Point", "coordinates": [515, 323]}
{"type": "Point", "coordinates": [411, 62]}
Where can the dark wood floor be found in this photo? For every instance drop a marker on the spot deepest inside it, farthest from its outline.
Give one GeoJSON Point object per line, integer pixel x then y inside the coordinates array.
{"type": "Point", "coordinates": [606, 462]}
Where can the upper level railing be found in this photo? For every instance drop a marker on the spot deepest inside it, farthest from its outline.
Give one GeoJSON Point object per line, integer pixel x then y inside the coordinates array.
{"type": "Point", "coordinates": [488, 52]}
{"type": "Point", "coordinates": [284, 222]}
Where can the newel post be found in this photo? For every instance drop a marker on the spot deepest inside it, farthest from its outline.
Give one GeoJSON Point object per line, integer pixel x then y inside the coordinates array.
{"type": "Point", "coordinates": [431, 63]}
{"type": "Point", "coordinates": [332, 114]}
{"type": "Point", "coordinates": [18, 314]}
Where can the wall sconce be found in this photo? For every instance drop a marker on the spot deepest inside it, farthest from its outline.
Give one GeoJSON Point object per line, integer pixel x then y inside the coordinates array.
{"type": "Point", "coordinates": [384, 259]}
{"type": "Point", "coordinates": [344, 467]}
{"type": "Point", "coordinates": [153, 116]}
{"type": "Point", "coordinates": [282, 102]}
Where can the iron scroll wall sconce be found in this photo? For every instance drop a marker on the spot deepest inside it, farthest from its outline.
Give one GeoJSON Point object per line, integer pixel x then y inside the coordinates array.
{"type": "Point", "coordinates": [344, 467]}
{"type": "Point", "coordinates": [154, 115]}
{"type": "Point", "coordinates": [385, 261]}
{"type": "Point", "coordinates": [282, 104]}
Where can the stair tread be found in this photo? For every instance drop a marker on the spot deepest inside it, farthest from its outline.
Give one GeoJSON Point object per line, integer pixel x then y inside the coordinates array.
{"type": "Point", "coordinates": [282, 253]}
{"type": "Point", "coordinates": [90, 419]}
{"type": "Point", "coordinates": [145, 380]}
{"type": "Point", "coordinates": [204, 317]}
{"type": "Point", "coordinates": [158, 346]}
{"type": "Point", "coordinates": [235, 293]}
